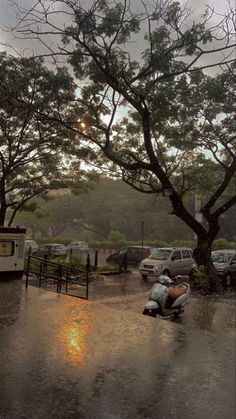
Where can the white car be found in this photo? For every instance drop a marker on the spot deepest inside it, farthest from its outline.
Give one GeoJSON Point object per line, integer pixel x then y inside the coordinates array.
{"type": "Point", "coordinates": [31, 246]}
{"type": "Point", "coordinates": [169, 261]}
{"type": "Point", "coordinates": [77, 247]}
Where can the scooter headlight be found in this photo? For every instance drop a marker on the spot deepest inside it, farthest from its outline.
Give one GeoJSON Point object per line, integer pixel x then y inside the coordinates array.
{"type": "Point", "coordinates": [164, 279]}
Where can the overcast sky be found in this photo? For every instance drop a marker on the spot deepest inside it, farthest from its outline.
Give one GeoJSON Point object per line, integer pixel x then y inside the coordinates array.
{"type": "Point", "coordinates": [8, 18]}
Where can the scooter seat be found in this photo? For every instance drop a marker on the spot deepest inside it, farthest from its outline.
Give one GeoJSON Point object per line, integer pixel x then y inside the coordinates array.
{"type": "Point", "coordinates": [175, 291]}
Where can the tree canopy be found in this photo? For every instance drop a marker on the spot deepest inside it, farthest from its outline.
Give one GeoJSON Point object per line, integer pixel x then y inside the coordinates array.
{"type": "Point", "coordinates": [147, 103]}
{"type": "Point", "coordinates": [34, 149]}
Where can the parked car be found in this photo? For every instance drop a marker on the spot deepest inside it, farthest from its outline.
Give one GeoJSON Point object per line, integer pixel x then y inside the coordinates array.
{"type": "Point", "coordinates": [51, 249]}
{"type": "Point", "coordinates": [31, 246]}
{"type": "Point", "coordinates": [134, 255]}
{"type": "Point", "coordinates": [225, 263]}
{"type": "Point", "coordinates": [169, 261]}
{"type": "Point", "coordinates": [77, 247]}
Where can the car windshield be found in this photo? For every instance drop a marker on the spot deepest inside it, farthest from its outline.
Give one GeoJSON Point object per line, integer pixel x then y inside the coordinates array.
{"type": "Point", "coordinates": [221, 257]}
{"type": "Point", "coordinates": [160, 254]}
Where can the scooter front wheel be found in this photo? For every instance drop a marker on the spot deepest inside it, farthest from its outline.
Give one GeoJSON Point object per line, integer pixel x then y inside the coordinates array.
{"type": "Point", "coordinates": [148, 312]}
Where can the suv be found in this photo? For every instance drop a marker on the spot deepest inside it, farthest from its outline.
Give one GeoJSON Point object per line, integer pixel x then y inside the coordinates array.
{"type": "Point", "coordinates": [169, 261]}
{"type": "Point", "coordinates": [76, 247]}
{"type": "Point", "coordinates": [134, 255]}
{"type": "Point", "coordinates": [225, 263]}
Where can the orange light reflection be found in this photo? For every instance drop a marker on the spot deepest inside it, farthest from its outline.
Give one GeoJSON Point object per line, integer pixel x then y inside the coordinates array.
{"type": "Point", "coordinates": [74, 333]}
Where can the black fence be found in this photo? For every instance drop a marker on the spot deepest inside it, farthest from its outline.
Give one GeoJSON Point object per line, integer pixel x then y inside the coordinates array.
{"type": "Point", "coordinates": [57, 277]}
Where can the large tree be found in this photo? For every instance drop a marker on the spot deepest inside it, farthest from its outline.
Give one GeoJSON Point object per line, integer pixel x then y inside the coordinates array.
{"type": "Point", "coordinates": [168, 119]}
{"type": "Point", "coordinates": [32, 147]}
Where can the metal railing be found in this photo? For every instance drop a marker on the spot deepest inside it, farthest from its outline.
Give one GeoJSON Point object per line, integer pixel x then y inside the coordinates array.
{"type": "Point", "coordinates": [56, 275]}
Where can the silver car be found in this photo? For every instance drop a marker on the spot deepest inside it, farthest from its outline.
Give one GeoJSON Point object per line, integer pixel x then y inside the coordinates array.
{"type": "Point", "coordinates": [225, 263]}
{"type": "Point", "coordinates": [169, 261]}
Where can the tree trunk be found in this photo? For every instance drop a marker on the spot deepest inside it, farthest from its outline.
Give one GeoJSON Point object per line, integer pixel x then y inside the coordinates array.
{"type": "Point", "coordinates": [3, 211]}
{"type": "Point", "coordinates": [202, 256]}
{"type": "Point", "coordinates": [206, 236]}
{"type": "Point", "coordinates": [202, 252]}
{"type": "Point", "coordinates": [3, 204]}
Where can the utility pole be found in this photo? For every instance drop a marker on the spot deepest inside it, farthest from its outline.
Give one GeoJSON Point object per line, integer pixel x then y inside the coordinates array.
{"type": "Point", "coordinates": [142, 231]}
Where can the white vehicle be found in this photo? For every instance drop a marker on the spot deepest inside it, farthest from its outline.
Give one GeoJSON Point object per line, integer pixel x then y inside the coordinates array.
{"type": "Point", "coordinates": [170, 261]}
{"type": "Point", "coordinates": [31, 246]}
{"type": "Point", "coordinates": [77, 247]}
{"type": "Point", "coordinates": [12, 241]}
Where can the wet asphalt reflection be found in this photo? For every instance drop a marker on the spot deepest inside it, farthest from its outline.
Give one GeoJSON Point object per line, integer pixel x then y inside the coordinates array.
{"type": "Point", "coordinates": [63, 357]}
{"type": "Point", "coordinates": [130, 292]}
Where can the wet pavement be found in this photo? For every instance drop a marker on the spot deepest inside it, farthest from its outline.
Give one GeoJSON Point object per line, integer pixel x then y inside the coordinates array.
{"type": "Point", "coordinates": [130, 293]}
{"type": "Point", "coordinates": [64, 357]}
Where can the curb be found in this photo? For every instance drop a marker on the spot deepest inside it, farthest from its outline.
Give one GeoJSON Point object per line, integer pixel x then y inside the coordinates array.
{"type": "Point", "coordinates": [106, 273]}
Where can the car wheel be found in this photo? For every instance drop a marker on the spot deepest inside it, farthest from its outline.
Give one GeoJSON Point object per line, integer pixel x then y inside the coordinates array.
{"type": "Point", "coordinates": [191, 274]}
{"type": "Point", "coordinates": [227, 280]}
{"type": "Point", "coordinates": [144, 277]}
{"type": "Point", "coordinates": [166, 272]}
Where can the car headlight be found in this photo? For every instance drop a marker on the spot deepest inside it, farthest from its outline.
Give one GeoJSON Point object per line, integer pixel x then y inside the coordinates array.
{"type": "Point", "coordinates": [158, 268]}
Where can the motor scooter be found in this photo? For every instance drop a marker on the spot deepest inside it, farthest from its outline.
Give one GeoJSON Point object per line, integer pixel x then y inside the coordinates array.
{"type": "Point", "coordinates": [167, 298]}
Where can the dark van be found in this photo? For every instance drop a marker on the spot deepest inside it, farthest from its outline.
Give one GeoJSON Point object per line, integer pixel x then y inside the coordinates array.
{"type": "Point", "coordinates": [134, 255]}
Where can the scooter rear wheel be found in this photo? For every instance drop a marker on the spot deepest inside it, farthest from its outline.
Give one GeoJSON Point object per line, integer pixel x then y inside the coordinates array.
{"type": "Point", "coordinates": [177, 313]}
